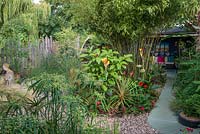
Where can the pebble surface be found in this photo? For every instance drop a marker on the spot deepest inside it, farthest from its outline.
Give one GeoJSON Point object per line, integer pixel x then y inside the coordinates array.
{"type": "Point", "coordinates": [128, 124]}
{"type": "Point", "coordinates": [131, 124]}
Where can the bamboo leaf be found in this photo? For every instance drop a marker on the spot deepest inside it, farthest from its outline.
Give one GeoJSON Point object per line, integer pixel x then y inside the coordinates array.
{"type": "Point", "coordinates": [196, 82]}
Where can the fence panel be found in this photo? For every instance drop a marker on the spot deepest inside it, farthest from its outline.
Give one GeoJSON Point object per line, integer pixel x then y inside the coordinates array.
{"type": "Point", "coordinates": [22, 57]}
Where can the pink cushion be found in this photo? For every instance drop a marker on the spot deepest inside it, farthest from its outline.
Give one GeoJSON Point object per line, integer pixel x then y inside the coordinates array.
{"type": "Point", "coordinates": [161, 59]}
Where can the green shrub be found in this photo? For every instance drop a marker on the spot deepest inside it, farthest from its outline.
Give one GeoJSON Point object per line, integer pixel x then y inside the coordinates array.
{"type": "Point", "coordinates": [105, 65]}
{"type": "Point", "coordinates": [53, 110]}
{"type": "Point", "coordinates": [57, 64]}
{"type": "Point", "coordinates": [187, 87]}
{"type": "Point", "coordinates": [21, 125]}
{"type": "Point", "coordinates": [158, 74]}
{"type": "Point", "coordinates": [113, 91]}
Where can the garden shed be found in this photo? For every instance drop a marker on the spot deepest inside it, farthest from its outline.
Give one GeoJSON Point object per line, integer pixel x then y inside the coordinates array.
{"type": "Point", "coordinates": [174, 43]}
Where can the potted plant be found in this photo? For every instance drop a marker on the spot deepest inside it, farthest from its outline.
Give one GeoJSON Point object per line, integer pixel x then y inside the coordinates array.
{"type": "Point", "coordinates": [190, 114]}
{"type": "Point", "coordinates": [187, 93]}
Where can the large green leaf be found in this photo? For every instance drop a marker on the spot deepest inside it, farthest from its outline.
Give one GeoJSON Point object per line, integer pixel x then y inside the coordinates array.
{"type": "Point", "coordinates": [196, 82]}
{"type": "Point", "coordinates": [104, 88]}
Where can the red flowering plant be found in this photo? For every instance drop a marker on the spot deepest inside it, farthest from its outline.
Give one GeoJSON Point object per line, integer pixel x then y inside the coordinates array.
{"type": "Point", "coordinates": [140, 83]}
{"type": "Point", "coordinates": [143, 99]}
{"type": "Point", "coordinates": [144, 85]}
{"type": "Point", "coordinates": [142, 108]}
{"type": "Point", "coordinates": [106, 66]}
{"type": "Point", "coordinates": [128, 74]}
{"type": "Point", "coordinates": [144, 103]}
{"type": "Point", "coordinates": [100, 103]}
{"type": "Point", "coordinates": [122, 98]}
{"type": "Point", "coordinates": [186, 130]}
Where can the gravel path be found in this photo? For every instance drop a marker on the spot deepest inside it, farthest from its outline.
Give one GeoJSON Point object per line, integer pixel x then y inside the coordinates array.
{"type": "Point", "coordinates": [128, 124]}
{"type": "Point", "coordinates": [131, 124]}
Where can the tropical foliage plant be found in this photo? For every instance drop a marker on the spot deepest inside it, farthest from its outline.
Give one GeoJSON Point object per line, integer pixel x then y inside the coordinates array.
{"type": "Point", "coordinates": [116, 90]}
{"type": "Point", "coordinates": [105, 65]}
{"type": "Point", "coordinates": [132, 96]}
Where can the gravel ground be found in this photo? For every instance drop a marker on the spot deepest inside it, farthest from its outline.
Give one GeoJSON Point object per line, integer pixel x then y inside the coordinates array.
{"type": "Point", "coordinates": [128, 124]}
{"type": "Point", "coordinates": [131, 124]}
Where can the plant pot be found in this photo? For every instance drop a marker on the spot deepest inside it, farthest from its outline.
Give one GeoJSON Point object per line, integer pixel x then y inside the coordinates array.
{"type": "Point", "coordinates": [192, 122]}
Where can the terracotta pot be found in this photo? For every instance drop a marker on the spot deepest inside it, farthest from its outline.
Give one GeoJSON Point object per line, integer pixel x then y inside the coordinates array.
{"type": "Point", "coordinates": [192, 122]}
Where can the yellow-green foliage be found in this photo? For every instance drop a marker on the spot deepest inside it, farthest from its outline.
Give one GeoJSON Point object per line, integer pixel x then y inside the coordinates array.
{"type": "Point", "coordinates": [19, 20]}
{"type": "Point", "coordinates": [12, 8]}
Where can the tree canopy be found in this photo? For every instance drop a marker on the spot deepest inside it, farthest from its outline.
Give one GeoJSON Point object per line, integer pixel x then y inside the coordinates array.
{"type": "Point", "coordinates": [59, 18]}
{"type": "Point", "coordinates": [11, 8]}
{"type": "Point", "coordinates": [131, 18]}
{"type": "Point", "coordinates": [117, 20]}
{"type": "Point", "coordinates": [19, 20]}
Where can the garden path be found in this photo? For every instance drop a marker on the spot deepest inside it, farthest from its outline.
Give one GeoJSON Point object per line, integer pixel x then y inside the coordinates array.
{"type": "Point", "coordinates": [161, 117]}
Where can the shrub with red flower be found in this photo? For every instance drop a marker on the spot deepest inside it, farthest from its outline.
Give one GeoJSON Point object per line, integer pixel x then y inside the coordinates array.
{"type": "Point", "coordinates": [187, 130]}
{"type": "Point", "coordinates": [145, 86]}
{"type": "Point", "coordinates": [131, 74]}
{"type": "Point", "coordinates": [98, 103]}
{"type": "Point", "coordinates": [141, 83]}
{"type": "Point", "coordinates": [98, 106]}
{"type": "Point", "coordinates": [142, 108]}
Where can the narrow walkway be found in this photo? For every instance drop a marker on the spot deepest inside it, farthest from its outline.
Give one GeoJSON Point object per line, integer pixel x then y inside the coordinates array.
{"type": "Point", "coordinates": [161, 117]}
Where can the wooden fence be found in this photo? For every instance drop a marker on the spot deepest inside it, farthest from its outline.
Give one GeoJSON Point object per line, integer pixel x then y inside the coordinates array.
{"type": "Point", "coordinates": [22, 57]}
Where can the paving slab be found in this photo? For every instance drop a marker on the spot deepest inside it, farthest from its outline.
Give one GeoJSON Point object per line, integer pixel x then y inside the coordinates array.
{"type": "Point", "coordinates": [161, 117]}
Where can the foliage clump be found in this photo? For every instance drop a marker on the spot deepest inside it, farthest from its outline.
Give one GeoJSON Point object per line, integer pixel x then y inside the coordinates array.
{"type": "Point", "coordinates": [187, 87]}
